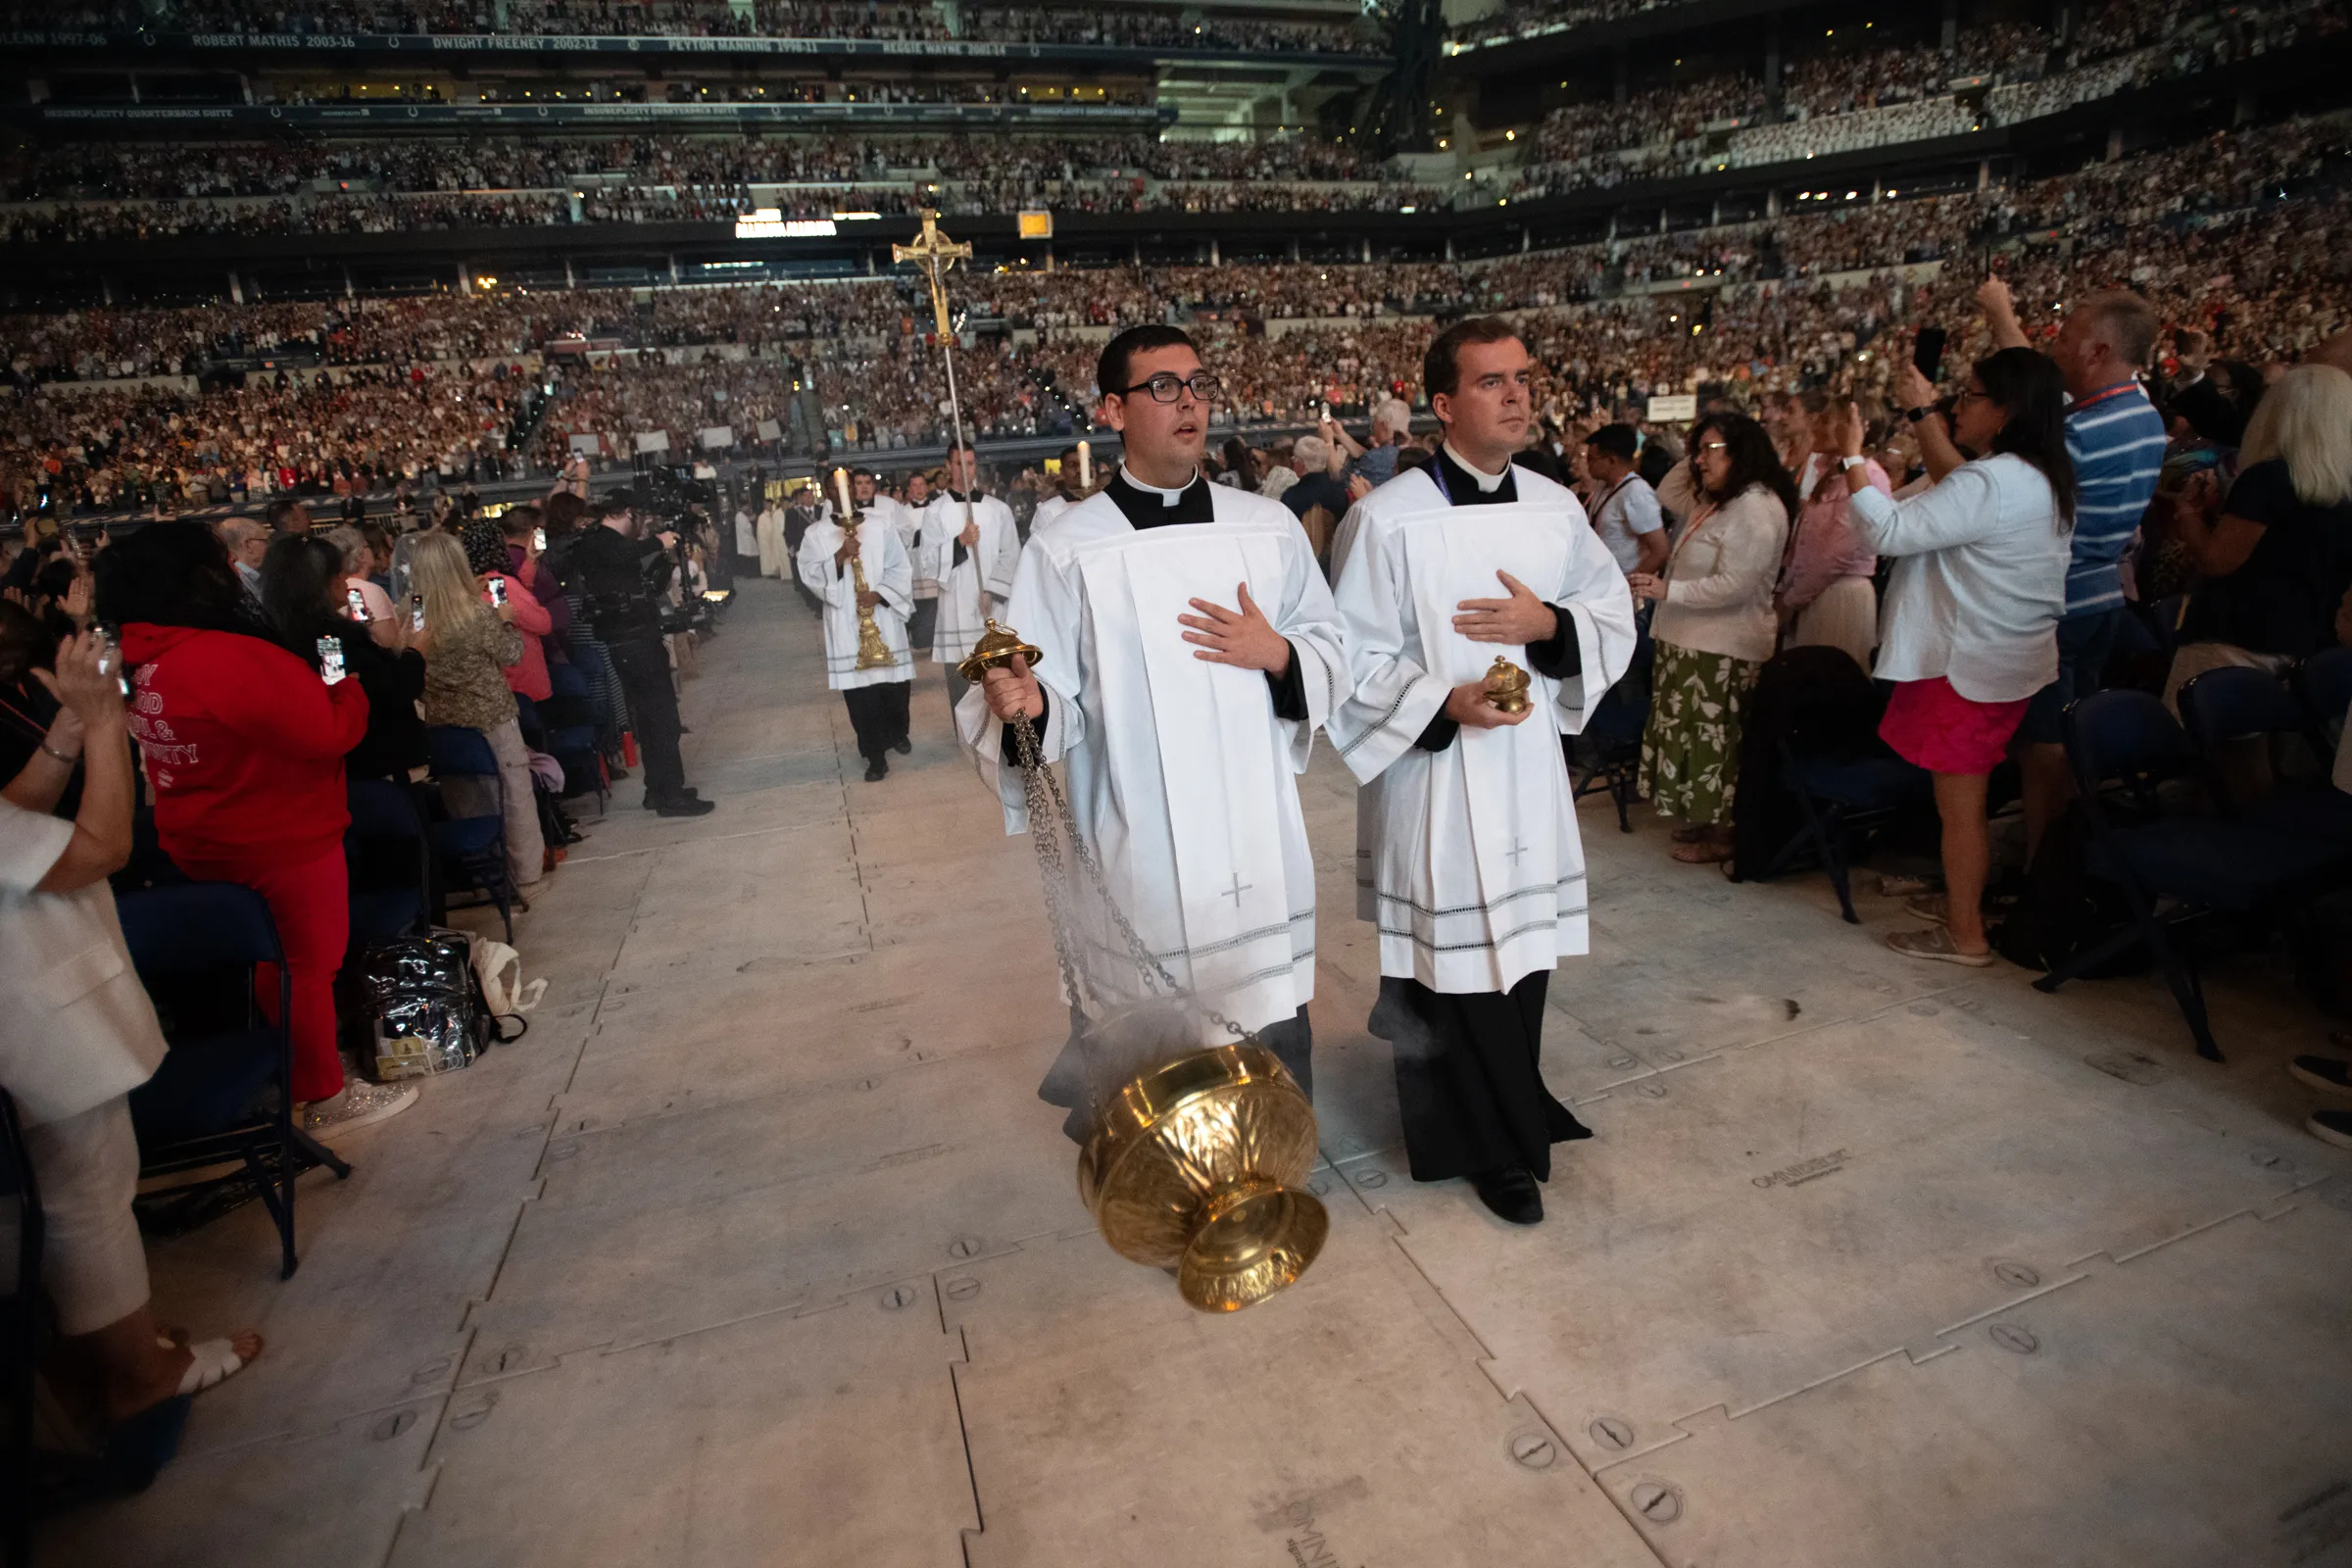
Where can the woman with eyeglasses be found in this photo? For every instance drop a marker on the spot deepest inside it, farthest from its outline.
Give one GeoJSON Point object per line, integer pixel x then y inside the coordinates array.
{"type": "Point", "coordinates": [1969, 633]}
{"type": "Point", "coordinates": [1714, 627]}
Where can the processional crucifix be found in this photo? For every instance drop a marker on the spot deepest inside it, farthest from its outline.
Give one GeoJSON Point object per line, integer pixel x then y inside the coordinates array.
{"type": "Point", "coordinates": [936, 254]}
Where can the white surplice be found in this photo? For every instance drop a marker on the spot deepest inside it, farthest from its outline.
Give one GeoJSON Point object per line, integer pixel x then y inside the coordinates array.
{"type": "Point", "coordinates": [1467, 859]}
{"type": "Point", "coordinates": [769, 531]}
{"type": "Point", "coordinates": [1180, 774]}
{"type": "Point", "coordinates": [986, 569]}
{"type": "Point", "coordinates": [909, 521]}
{"type": "Point", "coordinates": [887, 572]}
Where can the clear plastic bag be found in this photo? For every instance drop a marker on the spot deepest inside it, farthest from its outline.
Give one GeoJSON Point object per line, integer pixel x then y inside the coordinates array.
{"type": "Point", "coordinates": [424, 1014]}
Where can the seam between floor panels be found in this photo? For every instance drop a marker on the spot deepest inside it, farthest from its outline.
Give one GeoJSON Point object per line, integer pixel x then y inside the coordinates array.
{"type": "Point", "coordinates": [2114, 1261]}
{"type": "Point", "coordinates": [1485, 1363]}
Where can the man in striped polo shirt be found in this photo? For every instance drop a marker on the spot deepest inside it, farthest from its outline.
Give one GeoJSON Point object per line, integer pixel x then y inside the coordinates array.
{"type": "Point", "coordinates": [2116, 438]}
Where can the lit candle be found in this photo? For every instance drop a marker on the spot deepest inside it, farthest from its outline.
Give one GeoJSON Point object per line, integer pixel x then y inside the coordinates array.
{"type": "Point", "coordinates": [1086, 464]}
{"type": "Point", "coordinates": [841, 487]}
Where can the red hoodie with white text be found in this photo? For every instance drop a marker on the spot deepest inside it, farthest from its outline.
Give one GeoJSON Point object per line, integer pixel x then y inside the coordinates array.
{"type": "Point", "coordinates": [244, 745]}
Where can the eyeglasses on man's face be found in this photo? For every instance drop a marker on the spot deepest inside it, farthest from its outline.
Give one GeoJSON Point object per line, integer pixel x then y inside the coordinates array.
{"type": "Point", "coordinates": [1167, 388]}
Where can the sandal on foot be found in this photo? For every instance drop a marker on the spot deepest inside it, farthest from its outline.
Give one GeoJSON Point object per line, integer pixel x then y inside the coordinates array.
{"type": "Point", "coordinates": [1702, 851]}
{"type": "Point", "coordinates": [211, 1363]}
{"type": "Point", "coordinates": [1896, 885]}
{"type": "Point", "coordinates": [1936, 944]}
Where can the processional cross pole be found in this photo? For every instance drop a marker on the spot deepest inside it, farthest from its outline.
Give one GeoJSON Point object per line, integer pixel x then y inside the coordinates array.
{"type": "Point", "coordinates": [936, 254]}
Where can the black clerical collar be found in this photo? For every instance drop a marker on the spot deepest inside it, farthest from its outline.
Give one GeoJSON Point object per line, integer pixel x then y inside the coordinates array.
{"type": "Point", "coordinates": [1147, 505]}
{"type": "Point", "coordinates": [1461, 487]}
{"type": "Point", "coordinates": [960, 498]}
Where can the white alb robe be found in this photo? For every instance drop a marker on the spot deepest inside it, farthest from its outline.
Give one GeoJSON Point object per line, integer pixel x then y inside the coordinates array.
{"type": "Point", "coordinates": [747, 532]}
{"type": "Point", "coordinates": [1468, 860]}
{"type": "Point", "coordinates": [987, 568]}
{"type": "Point", "coordinates": [887, 572]}
{"type": "Point", "coordinates": [1053, 506]}
{"type": "Point", "coordinates": [1180, 774]}
{"type": "Point", "coordinates": [770, 533]}
{"type": "Point", "coordinates": [910, 522]}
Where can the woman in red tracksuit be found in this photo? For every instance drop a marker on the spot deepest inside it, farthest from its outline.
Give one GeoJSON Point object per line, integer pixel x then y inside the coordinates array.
{"type": "Point", "coordinates": [244, 748]}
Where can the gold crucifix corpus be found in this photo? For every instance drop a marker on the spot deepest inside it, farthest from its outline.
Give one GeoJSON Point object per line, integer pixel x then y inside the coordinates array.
{"type": "Point", "coordinates": [934, 253]}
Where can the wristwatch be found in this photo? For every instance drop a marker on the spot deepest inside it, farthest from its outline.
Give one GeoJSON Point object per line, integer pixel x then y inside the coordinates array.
{"type": "Point", "coordinates": [1851, 463]}
{"type": "Point", "coordinates": [1917, 414]}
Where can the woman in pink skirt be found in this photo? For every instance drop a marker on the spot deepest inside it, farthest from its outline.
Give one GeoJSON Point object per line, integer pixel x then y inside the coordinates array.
{"type": "Point", "coordinates": [1969, 633]}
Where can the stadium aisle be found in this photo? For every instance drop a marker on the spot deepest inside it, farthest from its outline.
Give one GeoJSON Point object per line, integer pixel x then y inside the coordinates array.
{"type": "Point", "coordinates": [760, 1249]}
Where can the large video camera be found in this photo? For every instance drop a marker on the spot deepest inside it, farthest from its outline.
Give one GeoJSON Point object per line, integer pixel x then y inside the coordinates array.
{"type": "Point", "coordinates": [670, 500]}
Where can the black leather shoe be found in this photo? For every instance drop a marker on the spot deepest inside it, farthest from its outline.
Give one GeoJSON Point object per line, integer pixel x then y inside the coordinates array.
{"type": "Point", "coordinates": [686, 805]}
{"type": "Point", "coordinates": [904, 746]}
{"type": "Point", "coordinates": [876, 769]}
{"type": "Point", "coordinates": [1511, 1193]}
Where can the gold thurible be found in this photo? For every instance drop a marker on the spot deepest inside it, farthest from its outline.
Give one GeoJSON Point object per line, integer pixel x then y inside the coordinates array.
{"type": "Point", "coordinates": [1198, 1165]}
{"type": "Point", "coordinates": [872, 652]}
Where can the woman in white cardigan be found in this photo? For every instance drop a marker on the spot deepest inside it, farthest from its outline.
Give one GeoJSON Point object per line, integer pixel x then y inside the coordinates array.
{"type": "Point", "coordinates": [1715, 626]}
{"type": "Point", "coordinates": [76, 1036]}
{"type": "Point", "coordinates": [1969, 632]}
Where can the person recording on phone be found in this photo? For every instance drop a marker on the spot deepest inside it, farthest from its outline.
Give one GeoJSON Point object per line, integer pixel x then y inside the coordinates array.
{"type": "Point", "coordinates": [469, 642]}
{"type": "Point", "coordinates": [306, 601]}
{"type": "Point", "coordinates": [486, 553]}
{"type": "Point", "coordinates": [1978, 586]}
{"type": "Point", "coordinates": [622, 577]}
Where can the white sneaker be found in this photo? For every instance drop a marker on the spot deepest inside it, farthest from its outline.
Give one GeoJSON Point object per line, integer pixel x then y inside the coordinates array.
{"type": "Point", "coordinates": [359, 1105]}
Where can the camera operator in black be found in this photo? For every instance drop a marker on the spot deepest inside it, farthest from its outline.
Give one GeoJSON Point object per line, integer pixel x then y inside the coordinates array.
{"type": "Point", "coordinates": [621, 576]}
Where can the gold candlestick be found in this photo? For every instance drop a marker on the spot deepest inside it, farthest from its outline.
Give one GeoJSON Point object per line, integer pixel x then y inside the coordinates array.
{"type": "Point", "coordinates": [874, 653]}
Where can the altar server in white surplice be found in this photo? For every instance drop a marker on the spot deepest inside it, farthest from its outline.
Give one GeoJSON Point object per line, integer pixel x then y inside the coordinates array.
{"type": "Point", "coordinates": [974, 548]}
{"type": "Point", "coordinates": [1189, 649]}
{"type": "Point", "coordinates": [1468, 858]}
{"type": "Point", "coordinates": [876, 697]}
{"type": "Point", "coordinates": [768, 535]}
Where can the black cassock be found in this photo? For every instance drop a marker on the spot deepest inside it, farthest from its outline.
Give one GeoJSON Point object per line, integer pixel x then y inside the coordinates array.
{"type": "Point", "coordinates": [879, 716]}
{"type": "Point", "coordinates": [1469, 1083]}
{"type": "Point", "coordinates": [1468, 1080]}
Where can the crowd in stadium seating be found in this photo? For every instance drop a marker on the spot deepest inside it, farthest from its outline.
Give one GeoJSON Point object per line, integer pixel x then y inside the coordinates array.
{"type": "Point", "coordinates": [2267, 277]}
{"type": "Point", "coordinates": [716, 19]}
{"type": "Point", "coordinates": [108, 191]}
{"type": "Point", "coordinates": [72, 171]}
{"type": "Point", "coordinates": [1848, 100]}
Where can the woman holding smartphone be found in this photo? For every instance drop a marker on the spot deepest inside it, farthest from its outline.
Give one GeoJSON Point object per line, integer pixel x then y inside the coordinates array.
{"type": "Point", "coordinates": [306, 602]}
{"type": "Point", "coordinates": [468, 644]}
{"type": "Point", "coordinates": [1971, 623]}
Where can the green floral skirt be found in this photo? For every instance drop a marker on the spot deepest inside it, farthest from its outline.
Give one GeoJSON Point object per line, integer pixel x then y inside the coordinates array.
{"type": "Point", "coordinates": [1691, 751]}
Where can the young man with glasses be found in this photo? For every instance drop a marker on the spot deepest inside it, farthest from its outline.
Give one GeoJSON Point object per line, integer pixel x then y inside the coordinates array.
{"type": "Point", "coordinates": [1190, 651]}
{"type": "Point", "coordinates": [1468, 860]}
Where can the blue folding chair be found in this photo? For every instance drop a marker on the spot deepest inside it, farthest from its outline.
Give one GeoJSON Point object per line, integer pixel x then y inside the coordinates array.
{"type": "Point", "coordinates": [2190, 867]}
{"type": "Point", "coordinates": [568, 717]}
{"type": "Point", "coordinates": [226, 1090]}
{"type": "Point", "coordinates": [1812, 744]}
{"type": "Point", "coordinates": [389, 858]}
{"type": "Point", "coordinates": [2235, 704]}
{"type": "Point", "coordinates": [472, 850]}
{"type": "Point", "coordinates": [1606, 755]}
